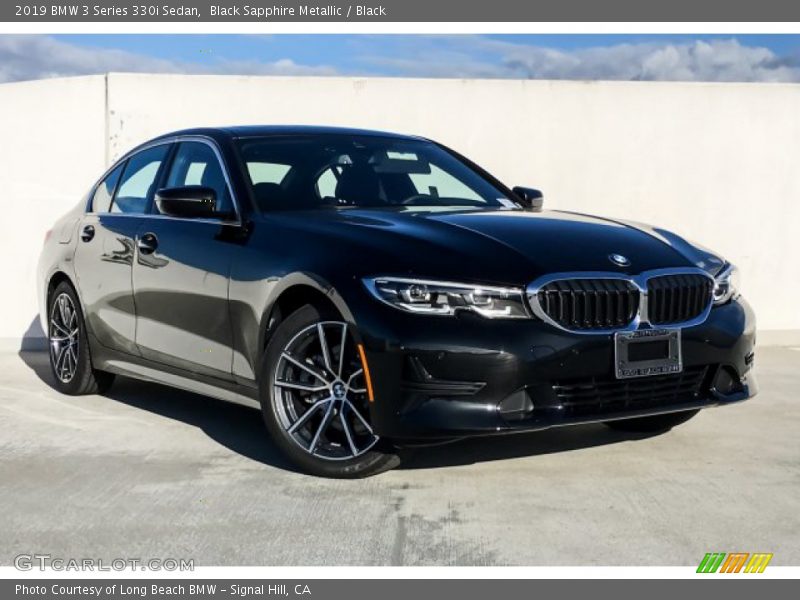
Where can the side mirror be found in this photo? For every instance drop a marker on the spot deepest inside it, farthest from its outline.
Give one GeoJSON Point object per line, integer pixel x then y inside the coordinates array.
{"type": "Point", "coordinates": [532, 199]}
{"type": "Point", "coordinates": [189, 202]}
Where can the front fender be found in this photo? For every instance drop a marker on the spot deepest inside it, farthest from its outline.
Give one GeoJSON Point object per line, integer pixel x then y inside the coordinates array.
{"type": "Point", "coordinates": [252, 304]}
{"type": "Point", "coordinates": [304, 279]}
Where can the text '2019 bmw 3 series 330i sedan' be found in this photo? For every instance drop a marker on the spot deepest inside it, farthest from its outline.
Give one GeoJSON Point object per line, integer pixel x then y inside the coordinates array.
{"type": "Point", "coordinates": [368, 291]}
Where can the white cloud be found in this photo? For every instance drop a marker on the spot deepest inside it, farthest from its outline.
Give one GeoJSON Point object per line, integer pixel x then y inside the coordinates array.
{"type": "Point", "coordinates": [34, 57]}
{"type": "Point", "coordinates": [477, 56]}
{"type": "Point", "coordinates": [284, 66]}
{"type": "Point", "coordinates": [718, 60]}
{"type": "Point", "coordinates": [37, 57]}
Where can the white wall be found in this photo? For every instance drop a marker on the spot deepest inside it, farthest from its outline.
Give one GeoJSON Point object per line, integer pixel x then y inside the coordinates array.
{"type": "Point", "coordinates": [714, 162]}
{"type": "Point", "coordinates": [52, 147]}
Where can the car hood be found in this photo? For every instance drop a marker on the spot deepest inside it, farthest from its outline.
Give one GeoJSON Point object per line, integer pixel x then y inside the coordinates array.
{"type": "Point", "coordinates": [505, 245]}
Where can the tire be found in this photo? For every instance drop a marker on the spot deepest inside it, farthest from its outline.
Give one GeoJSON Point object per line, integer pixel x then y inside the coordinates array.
{"type": "Point", "coordinates": [654, 424]}
{"type": "Point", "coordinates": [314, 401]}
{"type": "Point", "coordinates": [70, 357]}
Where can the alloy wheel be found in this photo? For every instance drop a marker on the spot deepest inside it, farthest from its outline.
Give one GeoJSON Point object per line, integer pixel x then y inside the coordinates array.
{"type": "Point", "coordinates": [320, 393]}
{"type": "Point", "coordinates": [64, 338]}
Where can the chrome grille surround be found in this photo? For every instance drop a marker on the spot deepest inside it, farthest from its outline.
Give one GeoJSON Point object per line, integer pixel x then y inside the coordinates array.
{"type": "Point", "coordinates": [640, 319]}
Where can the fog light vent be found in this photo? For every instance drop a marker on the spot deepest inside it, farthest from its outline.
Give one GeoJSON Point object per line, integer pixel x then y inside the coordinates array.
{"type": "Point", "coordinates": [417, 379]}
{"type": "Point", "coordinates": [727, 381]}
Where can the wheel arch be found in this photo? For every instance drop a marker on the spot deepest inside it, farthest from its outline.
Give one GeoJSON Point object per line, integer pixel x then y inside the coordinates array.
{"type": "Point", "coordinates": [56, 278]}
{"type": "Point", "coordinates": [298, 290]}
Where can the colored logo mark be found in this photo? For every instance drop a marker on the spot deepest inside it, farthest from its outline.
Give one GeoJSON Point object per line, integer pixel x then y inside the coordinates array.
{"type": "Point", "coordinates": [735, 562]}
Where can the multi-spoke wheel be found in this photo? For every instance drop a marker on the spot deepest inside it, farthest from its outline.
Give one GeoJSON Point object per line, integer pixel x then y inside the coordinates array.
{"type": "Point", "coordinates": [320, 393]}
{"type": "Point", "coordinates": [69, 350]}
{"type": "Point", "coordinates": [315, 400]}
{"type": "Point", "coordinates": [64, 336]}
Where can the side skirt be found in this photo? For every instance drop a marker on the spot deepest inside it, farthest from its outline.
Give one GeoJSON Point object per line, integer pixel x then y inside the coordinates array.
{"type": "Point", "coordinates": [139, 368]}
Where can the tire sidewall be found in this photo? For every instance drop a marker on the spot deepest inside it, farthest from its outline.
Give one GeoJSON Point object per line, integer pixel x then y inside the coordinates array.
{"type": "Point", "coordinates": [371, 462]}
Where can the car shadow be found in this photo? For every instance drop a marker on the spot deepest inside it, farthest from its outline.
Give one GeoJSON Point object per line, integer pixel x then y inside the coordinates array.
{"type": "Point", "coordinates": [236, 427]}
{"type": "Point", "coordinates": [34, 338]}
{"type": "Point", "coordinates": [241, 429]}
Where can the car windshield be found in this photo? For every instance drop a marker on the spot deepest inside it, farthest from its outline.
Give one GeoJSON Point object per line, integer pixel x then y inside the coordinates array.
{"type": "Point", "coordinates": [340, 171]}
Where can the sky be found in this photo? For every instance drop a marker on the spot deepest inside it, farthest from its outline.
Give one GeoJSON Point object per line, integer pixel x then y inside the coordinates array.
{"type": "Point", "coordinates": [753, 58]}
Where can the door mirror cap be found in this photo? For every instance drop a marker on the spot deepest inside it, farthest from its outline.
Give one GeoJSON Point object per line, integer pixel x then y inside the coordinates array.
{"type": "Point", "coordinates": [531, 198]}
{"type": "Point", "coordinates": [188, 202]}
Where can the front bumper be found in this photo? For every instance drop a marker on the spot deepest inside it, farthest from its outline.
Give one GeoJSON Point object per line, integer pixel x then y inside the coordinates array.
{"type": "Point", "coordinates": [439, 378]}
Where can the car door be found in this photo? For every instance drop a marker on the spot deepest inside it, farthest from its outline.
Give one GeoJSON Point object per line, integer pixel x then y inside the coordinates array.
{"type": "Point", "coordinates": [105, 251]}
{"type": "Point", "coordinates": [181, 272]}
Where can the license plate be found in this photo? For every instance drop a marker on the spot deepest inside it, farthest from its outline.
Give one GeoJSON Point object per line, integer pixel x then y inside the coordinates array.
{"type": "Point", "coordinates": [647, 352]}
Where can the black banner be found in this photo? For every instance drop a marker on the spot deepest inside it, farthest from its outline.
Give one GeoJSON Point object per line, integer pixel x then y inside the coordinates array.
{"type": "Point", "coordinates": [732, 588]}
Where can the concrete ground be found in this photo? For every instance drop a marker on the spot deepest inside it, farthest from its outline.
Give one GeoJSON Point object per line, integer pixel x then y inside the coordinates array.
{"type": "Point", "coordinates": [150, 472]}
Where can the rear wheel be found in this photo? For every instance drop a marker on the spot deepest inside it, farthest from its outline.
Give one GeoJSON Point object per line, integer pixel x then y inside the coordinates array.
{"type": "Point", "coordinates": [314, 398]}
{"type": "Point", "coordinates": [654, 424]}
{"type": "Point", "coordinates": [70, 359]}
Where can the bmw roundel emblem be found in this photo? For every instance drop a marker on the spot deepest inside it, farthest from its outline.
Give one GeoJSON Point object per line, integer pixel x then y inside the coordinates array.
{"type": "Point", "coordinates": [619, 260]}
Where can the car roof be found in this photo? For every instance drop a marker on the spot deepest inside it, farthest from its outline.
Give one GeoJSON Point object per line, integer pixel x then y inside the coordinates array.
{"type": "Point", "coordinates": [242, 131]}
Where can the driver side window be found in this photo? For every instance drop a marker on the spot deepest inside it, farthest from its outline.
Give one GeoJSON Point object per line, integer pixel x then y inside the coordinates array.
{"type": "Point", "coordinates": [196, 163]}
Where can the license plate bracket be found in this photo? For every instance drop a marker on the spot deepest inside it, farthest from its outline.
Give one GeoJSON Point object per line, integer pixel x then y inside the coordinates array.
{"type": "Point", "coordinates": [647, 352]}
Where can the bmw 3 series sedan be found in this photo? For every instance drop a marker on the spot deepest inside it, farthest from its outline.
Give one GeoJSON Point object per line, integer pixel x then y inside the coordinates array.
{"type": "Point", "coordinates": [370, 291]}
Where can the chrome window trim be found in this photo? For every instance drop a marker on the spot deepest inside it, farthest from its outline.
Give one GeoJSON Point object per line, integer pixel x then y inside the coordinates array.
{"type": "Point", "coordinates": [118, 162]}
{"type": "Point", "coordinates": [96, 187]}
{"type": "Point", "coordinates": [237, 222]}
{"type": "Point", "coordinates": [641, 320]}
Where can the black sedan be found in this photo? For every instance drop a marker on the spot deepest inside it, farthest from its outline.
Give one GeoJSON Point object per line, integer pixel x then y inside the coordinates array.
{"type": "Point", "coordinates": [368, 291]}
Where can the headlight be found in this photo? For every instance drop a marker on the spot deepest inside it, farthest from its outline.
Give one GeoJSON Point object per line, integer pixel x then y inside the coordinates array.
{"type": "Point", "coordinates": [726, 285]}
{"type": "Point", "coordinates": [445, 298]}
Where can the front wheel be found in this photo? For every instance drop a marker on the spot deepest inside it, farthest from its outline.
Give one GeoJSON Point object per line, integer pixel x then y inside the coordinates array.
{"type": "Point", "coordinates": [314, 398]}
{"type": "Point", "coordinates": [654, 424]}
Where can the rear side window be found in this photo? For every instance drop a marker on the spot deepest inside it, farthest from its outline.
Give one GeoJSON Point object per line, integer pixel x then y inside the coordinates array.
{"type": "Point", "coordinates": [101, 201]}
{"type": "Point", "coordinates": [139, 180]}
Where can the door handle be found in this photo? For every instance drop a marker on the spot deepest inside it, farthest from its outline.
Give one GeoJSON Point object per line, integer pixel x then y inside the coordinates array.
{"type": "Point", "coordinates": [147, 243]}
{"type": "Point", "coordinates": [88, 233]}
